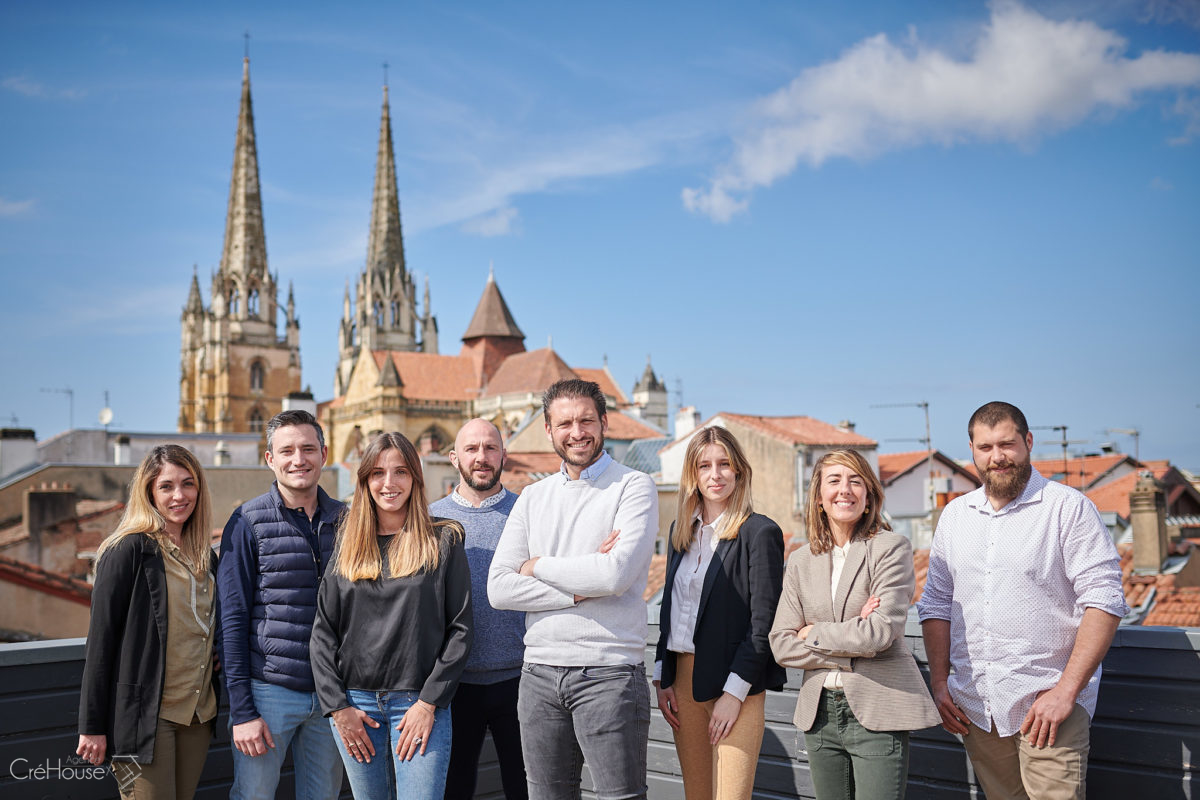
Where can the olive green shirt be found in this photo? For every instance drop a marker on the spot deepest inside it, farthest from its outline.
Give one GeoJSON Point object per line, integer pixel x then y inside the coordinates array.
{"type": "Point", "coordinates": [188, 694]}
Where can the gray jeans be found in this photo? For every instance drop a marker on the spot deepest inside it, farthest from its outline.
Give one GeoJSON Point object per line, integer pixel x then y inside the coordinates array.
{"type": "Point", "coordinates": [572, 714]}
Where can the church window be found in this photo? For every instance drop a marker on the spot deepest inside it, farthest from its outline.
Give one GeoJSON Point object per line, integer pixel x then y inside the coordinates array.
{"type": "Point", "coordinates": [258, 374]}
{"type": "Point", "coordinates": [252, 303]}
{"type": "Point", "coordinates": [354, 334]}
{"type": "Point", "coordinates": [395, 313]}
{"type": "Point", "coordinates": [257, 424]}
{"type": "Point", "coordinates": [234, 301]}
{"type": "Point", "coordinates": [378, 314]}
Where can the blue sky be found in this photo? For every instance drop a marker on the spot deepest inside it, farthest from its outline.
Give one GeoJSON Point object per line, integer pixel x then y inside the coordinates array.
{"type": "Point", "coordinates": [794, 208]}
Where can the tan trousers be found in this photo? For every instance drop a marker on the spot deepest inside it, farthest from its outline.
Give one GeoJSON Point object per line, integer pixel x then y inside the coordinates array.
{"type": "Point", "coordinates": [1010, 768]}
{"type": "Point", "coordinates": [724, 772]}
{"type": "Point", "coordinates": [174, 773]}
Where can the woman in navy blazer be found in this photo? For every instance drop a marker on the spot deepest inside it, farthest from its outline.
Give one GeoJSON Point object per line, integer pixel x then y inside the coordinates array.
{"type": "Point", "coordinates": [713, 663]}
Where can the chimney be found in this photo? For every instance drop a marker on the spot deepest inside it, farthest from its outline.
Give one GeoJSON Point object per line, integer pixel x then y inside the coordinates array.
{"type": "Point", "coordinates": [45, 507]}
{"type": "Point", "coordinates": [1148, 516]}
{"type": "Point", "coordinates": [121, 451]}
{"type": "Point", "coordinates": [846, 425]}
{"type": "Point", "coordinates": [301, 401]}
{"type": "Point", "coordinates": [687, 419]}
{"type": "Point", "coordinates": [18, 448]}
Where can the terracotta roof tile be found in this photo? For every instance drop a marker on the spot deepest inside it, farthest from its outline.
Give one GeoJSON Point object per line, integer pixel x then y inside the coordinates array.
{"type": "Point", "coordinates": [606, 382]}
{"type": "Point", "coordinates": [522, 469]}
{"type": "Point", "coordinates": [657, 577]}
{"type": "Point", "coordinates": [799, 429]}
{"type": "Point", "coordinates": [428, 376]}
{"type": "Point", "coordinates": [1114, 495]}
{"type": "Point", "coordinates": [624, 427]}
{"type": "Point", "coordinates": [492, 317]}
{"type": "Point", "coordinates": [22, 573]}
{"type": "Point", "coordinates": [1176, 607]}
{"type": "Point", "coordinates": [892, 465]}
{"type": "Point", "coordinates": [531, 371]}
{"type": "Point", "coordinates": [1092, 468]}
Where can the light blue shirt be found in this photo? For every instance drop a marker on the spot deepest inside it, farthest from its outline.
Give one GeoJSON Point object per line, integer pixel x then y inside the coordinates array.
{"type": "Point", "coordinates": [590, 473]}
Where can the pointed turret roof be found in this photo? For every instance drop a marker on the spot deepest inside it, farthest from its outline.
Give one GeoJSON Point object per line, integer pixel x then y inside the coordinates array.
{"type": "Point", "coordinates": [649, 381]}
{"type": "Point", "coordinates": [245, 250]}
{"type": "Point", "coordinates": [492, 317]}
{"type": "Point", "coordinates": [195, 303]}
{"type": "Point", "coordinates": [385, 244]}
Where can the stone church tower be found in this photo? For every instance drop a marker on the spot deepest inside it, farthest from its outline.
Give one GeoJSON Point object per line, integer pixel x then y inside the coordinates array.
{"type": "Point", "coordinates": [384, 313]}
{"type": "Point", "coordinates": [236, 369]}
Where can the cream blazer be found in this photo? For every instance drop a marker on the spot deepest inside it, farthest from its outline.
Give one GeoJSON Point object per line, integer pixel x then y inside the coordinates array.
{"type": "Point", "coordinates": [880, 676]}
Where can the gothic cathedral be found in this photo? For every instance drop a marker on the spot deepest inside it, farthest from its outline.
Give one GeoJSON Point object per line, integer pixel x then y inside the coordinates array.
{"type": "Point", "coordinates": [236, 369]}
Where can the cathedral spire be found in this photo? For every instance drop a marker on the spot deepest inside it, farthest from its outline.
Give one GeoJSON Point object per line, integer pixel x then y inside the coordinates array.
{"type": "Point", "coordinates": [385, 246]}
{"type": "Point", "coordinates": [195, 305]}
{"type": "Point", "coordinates": [245, 250]}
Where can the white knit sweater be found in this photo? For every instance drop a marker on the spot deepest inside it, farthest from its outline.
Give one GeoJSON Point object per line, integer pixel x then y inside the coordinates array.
{"type": "Point", "coordinates": [563, 523]}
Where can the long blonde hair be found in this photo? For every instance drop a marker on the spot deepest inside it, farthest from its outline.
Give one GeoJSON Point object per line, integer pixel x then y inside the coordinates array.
{"type": "Point", "coordinates": [141, 516]}
{"type": "Point", "coordinates": [418, 545]}
{"type": "Point", "coordinates": [820, 536]}
{"type": "Point", "coordinates": [737, 511]}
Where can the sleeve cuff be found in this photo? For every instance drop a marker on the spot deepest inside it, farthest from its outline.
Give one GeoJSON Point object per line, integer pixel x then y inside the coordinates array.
{"type": "Point", "coordinates": [737, 687]}
{"type": "Point", "coordinates": [657, 675]}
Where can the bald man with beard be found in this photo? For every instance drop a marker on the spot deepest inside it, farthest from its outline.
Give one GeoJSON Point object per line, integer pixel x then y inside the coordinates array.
{"type": "Point", "coordinates": [487, 693]}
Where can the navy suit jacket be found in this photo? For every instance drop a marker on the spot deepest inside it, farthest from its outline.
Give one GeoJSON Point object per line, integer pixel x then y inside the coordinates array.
{"type": "Point", "coordinates": [736, 611]}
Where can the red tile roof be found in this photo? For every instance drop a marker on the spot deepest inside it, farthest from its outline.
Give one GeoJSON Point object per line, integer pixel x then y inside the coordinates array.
{"type": "Point", "coordinates": [522, 469]}
{"type": "Point", "coordinates": [1176, 607]}
{"type": "Point", "coordinates": [1092, 468]}
{"type": "Point", "coordinates": [34, 577]}
{"type": "Point", "coordinates": [607, 384]}
{"type": "Point", "coordinates": [657, 576]}
{"type": "Point", "coordinates": [799, 429]}
{"type": "Point", "coordinates": [622, 426]}
{"type": "Point", "coordinates": [531, 371]}
{"type": "Point", "coordinates": [893, 465]}
{"type": "Point", "coordinates": [427, 376]}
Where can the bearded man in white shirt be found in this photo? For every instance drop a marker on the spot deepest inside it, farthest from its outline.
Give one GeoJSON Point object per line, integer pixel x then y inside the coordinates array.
{"type": "Point", "coordinates": [1022, 599]}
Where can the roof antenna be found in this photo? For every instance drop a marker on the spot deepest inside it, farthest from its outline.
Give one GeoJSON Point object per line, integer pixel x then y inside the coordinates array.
{"type": "Point", "coordinates": [247, 50]}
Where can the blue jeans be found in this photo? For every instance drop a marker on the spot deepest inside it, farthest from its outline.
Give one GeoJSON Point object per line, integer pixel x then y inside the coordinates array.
{"type": "Point", "coordinates": [293, 718]}
{"type": "Point", "coordinates": [847, 761]}
{"type": "Point", "coordinates": [385, 775]}
{"type": "Point", "coordinates": [572, 714]}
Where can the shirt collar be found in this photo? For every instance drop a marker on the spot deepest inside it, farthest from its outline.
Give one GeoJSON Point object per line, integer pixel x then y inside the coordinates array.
{"type": "Point", "coordinates": [698, 517]}
{"type": "Point", "coordinates": [1032, 493]}
{"type": "Point", "coordinates": [590, 473]}
{"type": "Point", "coordinates": [488, 501]}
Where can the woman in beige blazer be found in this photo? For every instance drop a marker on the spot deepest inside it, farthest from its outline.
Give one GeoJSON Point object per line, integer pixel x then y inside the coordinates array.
{"type": "Point", "coordinates": [841, 619]}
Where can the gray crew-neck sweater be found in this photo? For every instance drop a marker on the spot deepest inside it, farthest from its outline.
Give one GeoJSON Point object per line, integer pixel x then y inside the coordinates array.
{"type": "Point", "coordinates": [564, 522]}
{"type": "Point", "coordinates": [498, 650]}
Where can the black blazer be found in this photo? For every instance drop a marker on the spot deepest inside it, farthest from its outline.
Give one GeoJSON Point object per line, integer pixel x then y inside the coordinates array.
{"type": "Point", "coordinates": [736, 611]}
{"type": "Point", "coordinates": [126, 653]}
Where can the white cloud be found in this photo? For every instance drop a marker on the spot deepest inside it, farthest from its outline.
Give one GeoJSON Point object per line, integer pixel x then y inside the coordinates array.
{"type": "Point", "coordinates": [31, 88]}
{"type": "Point", "coordinates": [1026, 77]}
{"type": "Point", "coordinates": [497, 223]}
{"type": "Point", "coordinates": [13, 208]}
{"type": "Point", "coordinates": [1187, 107]}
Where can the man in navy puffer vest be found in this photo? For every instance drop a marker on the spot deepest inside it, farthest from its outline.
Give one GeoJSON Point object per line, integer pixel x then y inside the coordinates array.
{"type": "Point", "coordinates": [273, 554]}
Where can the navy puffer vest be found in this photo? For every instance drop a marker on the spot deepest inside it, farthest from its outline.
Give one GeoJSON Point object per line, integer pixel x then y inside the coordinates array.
{"type": "Point", "coordinates": [290, 565]}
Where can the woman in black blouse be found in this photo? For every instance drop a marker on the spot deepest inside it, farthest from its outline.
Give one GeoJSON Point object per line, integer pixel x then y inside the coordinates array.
{"type": "Point", "coordinates": [393, 630]}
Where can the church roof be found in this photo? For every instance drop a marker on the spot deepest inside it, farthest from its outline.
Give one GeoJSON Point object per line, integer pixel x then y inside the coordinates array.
{"type": "Point", "coordinates": [604, 378]}
{"type": "Point", "coordinates": [245, 249]}
{"type": "Point", "coordinates": [492, 317]}
{"type": "Point", "coordinates": [427, 376]}
{"type": "Point", "coordinates": [531, 371]}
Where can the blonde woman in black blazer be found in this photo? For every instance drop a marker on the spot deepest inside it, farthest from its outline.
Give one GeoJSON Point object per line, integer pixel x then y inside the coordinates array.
{"type": "Point", "coordinates": [713, 662]}
{"type": "Point", "coordinates": [841, 618]}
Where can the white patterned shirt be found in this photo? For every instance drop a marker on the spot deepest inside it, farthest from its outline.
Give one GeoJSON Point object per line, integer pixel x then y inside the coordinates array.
{"type": "Point", "coordinates": [1013, 584]}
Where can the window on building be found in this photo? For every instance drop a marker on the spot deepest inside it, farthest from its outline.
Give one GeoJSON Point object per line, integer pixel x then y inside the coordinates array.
{"type": "Point", "coordinates": [234, 301]}
{"type": "Point", "coordinates": [395, 313]}
{"type": "Point", "coordinates": [252, 303]}
{"type": "Point", "coordinates": [378, 314]}
{"type": "Point", "coordinates": [257, 423]}
{"type": "Point", "coordinates": [258, 376]}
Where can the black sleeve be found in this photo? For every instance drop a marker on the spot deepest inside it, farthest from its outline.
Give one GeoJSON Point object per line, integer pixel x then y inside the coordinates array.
{"type": "Point", "coordinates": [323, 646]}
{"type": "Point", "coordinates": [764, 546]}
{"type": "Point", "coordinates": [116, 574]}
{"type": "Point", "coordinates": [442, 682]}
